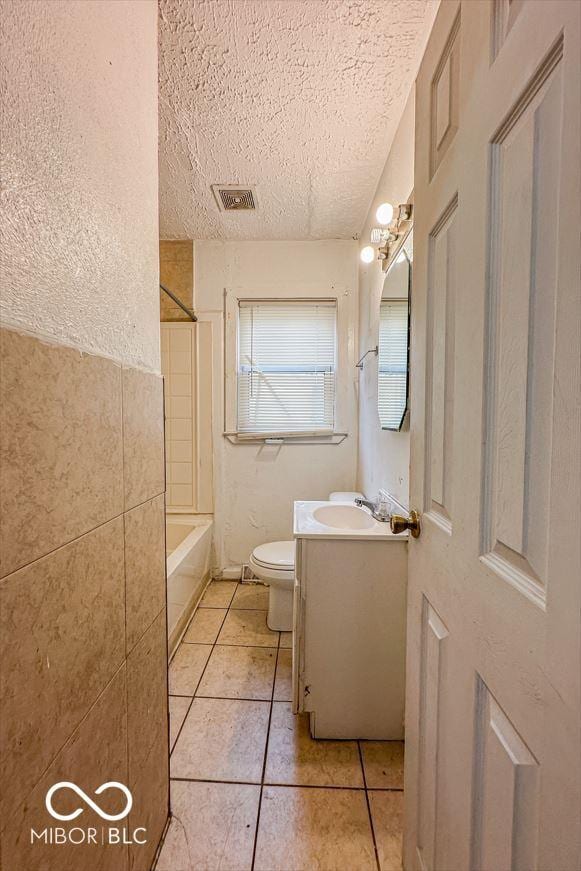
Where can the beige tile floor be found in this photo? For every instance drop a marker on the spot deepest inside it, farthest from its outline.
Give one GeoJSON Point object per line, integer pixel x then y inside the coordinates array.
{"type": "Point", "coordinates": [250, 789]}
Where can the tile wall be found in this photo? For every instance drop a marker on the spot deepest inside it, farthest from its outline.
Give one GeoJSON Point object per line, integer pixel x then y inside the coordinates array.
{"type": "Point", "coordinates": [82, 598]}
{"type": "Point", "coordinates": [186, 363]}
{"type": "Point", "coordinates": [177, 363]}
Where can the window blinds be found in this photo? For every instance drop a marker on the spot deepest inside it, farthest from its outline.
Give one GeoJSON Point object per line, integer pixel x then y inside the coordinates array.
{"type": "Point", "coordinates": [286, 367]}
{"type": "Point", "coordinates": [393, 362]}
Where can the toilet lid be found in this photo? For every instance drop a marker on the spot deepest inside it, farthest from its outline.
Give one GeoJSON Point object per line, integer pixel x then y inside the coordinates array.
{"type": "Point", "coordinates": [276, 555]}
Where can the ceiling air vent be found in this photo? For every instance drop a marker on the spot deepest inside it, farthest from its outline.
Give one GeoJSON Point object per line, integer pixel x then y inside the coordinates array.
{"type": "Point", "coordinates": [234, 198]}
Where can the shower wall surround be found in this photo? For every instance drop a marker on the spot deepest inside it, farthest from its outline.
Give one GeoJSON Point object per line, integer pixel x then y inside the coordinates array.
{"type": "Point", "coordinates": [82, 580]}
{"type": "Point", "coordinates": [82, 621]}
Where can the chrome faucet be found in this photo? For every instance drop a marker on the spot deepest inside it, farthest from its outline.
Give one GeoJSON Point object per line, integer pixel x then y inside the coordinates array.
{"type": "Point", "coordinates": [379, 509]}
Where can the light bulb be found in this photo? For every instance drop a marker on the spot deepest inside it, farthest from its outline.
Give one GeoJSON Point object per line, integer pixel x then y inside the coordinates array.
{"type": "Point", "coordinates": [384, 214]}
{"type": "Point", "coordinates": [367, 254]}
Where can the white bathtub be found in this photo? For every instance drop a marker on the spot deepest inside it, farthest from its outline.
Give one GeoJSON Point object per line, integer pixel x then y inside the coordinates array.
{"type": "Point", "coordinates": [188, 549]}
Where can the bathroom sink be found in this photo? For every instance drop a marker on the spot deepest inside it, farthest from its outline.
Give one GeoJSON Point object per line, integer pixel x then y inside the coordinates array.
{"type": "Point", "coordinates": [343, 517]}
{"type": "Point", "coordinates": [339, 520]}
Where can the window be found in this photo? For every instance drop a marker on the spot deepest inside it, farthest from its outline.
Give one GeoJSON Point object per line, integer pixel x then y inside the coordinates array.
{"type": "Point", "coordinates": [286, 367]}
{"type": "Point", "coordinates": [393, 362]}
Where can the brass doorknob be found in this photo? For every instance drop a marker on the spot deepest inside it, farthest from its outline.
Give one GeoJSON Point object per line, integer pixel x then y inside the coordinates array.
{"type": "Point", "coordinates": [399, 524]}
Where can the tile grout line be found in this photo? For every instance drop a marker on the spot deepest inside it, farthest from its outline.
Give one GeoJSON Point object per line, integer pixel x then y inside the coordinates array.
{"type": "Point", "coordinates": [214, 644]}
{"type": "Point", "coordinates": [200, 678]}
{"type": "Point", "coordinates": [229, 607]}
{"type": "Point", "coordinates": [83, 534]}
{"type": "Point", "coordinates": [368, 805]}
{"type": "Point", "coordinates": [186, 627]}
{"type": "Point", "coordinates": [169, 695]}
{"type": "Point", "coordinates": [67, 740]}
{"type": "Point", "coordinates": [234, 698]}
{"type": "Point", "coordinates": [265, 757]}
{"type": "Point", "coordinates": [282, 785]}
{"type": "Point", "coordinates": [161, 842]}
{"type": "Point", "coordinates": [220, 608]}
{"type": "Point", "coordinates": [227, 698]}
{"type": "Point", "coordinates": [126, 651]}
{"type": "Point", "coordinates": [221, 644]}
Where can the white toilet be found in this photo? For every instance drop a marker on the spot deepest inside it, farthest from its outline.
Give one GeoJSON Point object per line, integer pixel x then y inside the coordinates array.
{"type": "Point", "coordinates": [274, 563]}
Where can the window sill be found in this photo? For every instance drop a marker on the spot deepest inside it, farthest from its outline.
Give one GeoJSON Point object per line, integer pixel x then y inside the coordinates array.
{"type": "Point", "coordinates": [307, 438]}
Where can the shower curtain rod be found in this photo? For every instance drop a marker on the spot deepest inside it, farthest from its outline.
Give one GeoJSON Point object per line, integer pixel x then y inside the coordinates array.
{"type": "Point", "coordinates": [177, 301]}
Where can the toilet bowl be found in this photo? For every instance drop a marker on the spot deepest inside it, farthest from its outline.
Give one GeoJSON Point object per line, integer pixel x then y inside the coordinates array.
{"type": "Point", "coordinates": [274, 563]}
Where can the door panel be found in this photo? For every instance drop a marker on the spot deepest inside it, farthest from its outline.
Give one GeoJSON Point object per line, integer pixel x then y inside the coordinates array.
{"type": "Point", "coordinates": [524, 221]}
{"type": "Point", "coordinates": [432, 676]}
{"type": "Point", "coordinates": [445, 96]}
{"type": "Point", "coordinates": [506, 791]}
{"type": "Point", "coordinates": [440, 370]}
{"type": "Point", "coordinates": [504, 13]}
{"type": "Point", "coordinates": [492, 711]}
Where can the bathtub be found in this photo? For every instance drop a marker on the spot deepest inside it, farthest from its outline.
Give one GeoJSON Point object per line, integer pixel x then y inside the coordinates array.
{"type": "Point", "coordinates": [188, 550]}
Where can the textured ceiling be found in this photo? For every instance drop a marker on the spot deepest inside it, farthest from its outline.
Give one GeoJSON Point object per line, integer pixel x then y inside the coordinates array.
{"type": "Point", "coordinates": [300, 98]}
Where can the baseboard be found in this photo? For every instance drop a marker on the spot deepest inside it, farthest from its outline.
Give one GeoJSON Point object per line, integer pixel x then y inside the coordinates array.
{"type": "Point", "coordinates": [234, 573]}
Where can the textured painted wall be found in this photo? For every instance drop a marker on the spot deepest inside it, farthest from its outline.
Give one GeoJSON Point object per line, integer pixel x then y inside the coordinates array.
{"type": "Point", "coordinates": [384, 456]}
{"type": "Point", "coordinates": [255, 485]}
{"type": "Point", "coordinates": [79, 225]}
{"type": "Point", "coordinates": [300, 97]}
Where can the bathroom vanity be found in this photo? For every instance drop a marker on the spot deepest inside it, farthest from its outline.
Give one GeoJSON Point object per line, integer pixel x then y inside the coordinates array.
{"type": "Point", "coordinates": [349, 622]}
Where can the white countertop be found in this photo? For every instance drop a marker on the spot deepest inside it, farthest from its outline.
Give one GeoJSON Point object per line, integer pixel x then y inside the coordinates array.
{"type": "Point", "coordinates": [305, 525]}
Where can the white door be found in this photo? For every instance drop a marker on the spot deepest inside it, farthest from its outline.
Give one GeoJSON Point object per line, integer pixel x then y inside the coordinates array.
{"type": "Point", "coordinates": [493, 716]}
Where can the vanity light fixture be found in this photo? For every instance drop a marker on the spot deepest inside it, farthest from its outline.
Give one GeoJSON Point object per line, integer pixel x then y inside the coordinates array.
{"type": "Point", "coordinates": [394, 235]}
{"type": "Point", "coordinates": [379, 236]}
{"type": "Point", "coordinates": [384, 214]}
{"type": "Point", "coordinates": [388, 237]}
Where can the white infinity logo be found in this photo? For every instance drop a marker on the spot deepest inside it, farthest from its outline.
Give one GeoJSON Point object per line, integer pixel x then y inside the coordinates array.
{"type": "Point", "coordinates": [66, 784]}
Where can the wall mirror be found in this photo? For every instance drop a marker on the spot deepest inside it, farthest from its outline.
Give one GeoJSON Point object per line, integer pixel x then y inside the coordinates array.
{"type": "Point", "coordinates": [394, 339]}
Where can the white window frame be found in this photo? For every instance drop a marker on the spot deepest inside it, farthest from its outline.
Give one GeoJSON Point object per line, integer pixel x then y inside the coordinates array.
{"type": "Point", "coordinates": [345, 301]}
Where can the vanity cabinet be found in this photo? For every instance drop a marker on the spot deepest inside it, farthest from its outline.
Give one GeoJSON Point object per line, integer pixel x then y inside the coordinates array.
{"type": "Point", "coordinates": [349, 634]}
